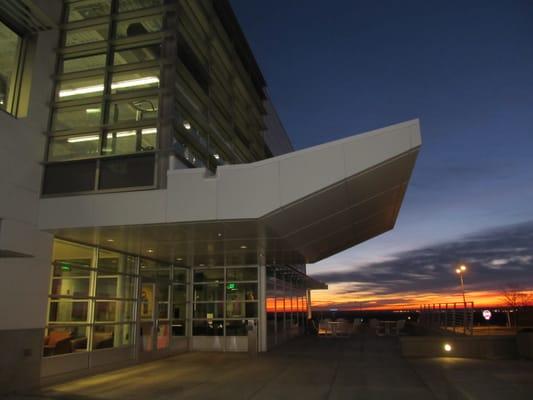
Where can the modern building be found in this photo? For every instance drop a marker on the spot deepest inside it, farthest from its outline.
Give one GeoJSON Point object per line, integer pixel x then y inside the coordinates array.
{"type": "Point", "coordinates": [150, 199]}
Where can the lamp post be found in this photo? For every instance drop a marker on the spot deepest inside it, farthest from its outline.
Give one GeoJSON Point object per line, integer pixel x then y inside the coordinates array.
{"type": "Point", "coordinates": [460, 270]}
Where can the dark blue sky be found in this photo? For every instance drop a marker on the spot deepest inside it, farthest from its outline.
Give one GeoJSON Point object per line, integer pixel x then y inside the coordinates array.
{"type": "Point", "coordinates": [465, 68]}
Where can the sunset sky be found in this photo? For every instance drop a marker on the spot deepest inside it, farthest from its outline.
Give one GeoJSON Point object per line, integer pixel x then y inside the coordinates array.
{"type": "Point", "coordinates": [340, 67]}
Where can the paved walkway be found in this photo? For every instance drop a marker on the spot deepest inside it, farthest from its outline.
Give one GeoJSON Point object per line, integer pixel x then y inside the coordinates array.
{"type": "Point", "coordinates": [307, 368]}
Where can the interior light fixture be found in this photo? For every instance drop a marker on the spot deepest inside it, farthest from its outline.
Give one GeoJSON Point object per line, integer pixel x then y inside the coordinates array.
{"type": "Point", "coordinates": [93, 110]}
{"type": "Point", "coordinates": [186, 124]}
{"type": "Point", "coordinates": [244, 246]}
{"type": "Point", "coordinates": [216, 156]}
{"type": "Point", "coordinates": [83, 139]}
{"type": "Point", "coordinates": [219, 234]}
{"type": "Point", "coordinates": [110, 240]}
{"type": "Point", "coordinates": [179, 259]}
{"type": "Point", "coordinates": [148, 80]}
{"type": "Point", "coordinates": [126, 133]}
{"type": "Point", "coordinates": [202, 265]}
{"type": "Point", "coordinates": [150, 251]}
{"type": "Point", "coordinates": [447, 347]}
{"type": "Point", "coordinates": [148, 131]}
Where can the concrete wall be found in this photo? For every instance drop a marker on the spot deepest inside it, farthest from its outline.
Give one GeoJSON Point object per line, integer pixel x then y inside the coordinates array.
{"type": "Point", "coordinates": [24, 280]}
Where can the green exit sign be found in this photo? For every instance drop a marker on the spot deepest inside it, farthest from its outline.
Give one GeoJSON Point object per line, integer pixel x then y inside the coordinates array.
{"type": "Point", "coordinates": [232, 286]}
{"type": "Point", "coordinates": [65, 266]}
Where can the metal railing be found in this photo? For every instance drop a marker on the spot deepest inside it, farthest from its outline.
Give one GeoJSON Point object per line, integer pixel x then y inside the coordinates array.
{"type": "Point", "coordinates": [451, 317]}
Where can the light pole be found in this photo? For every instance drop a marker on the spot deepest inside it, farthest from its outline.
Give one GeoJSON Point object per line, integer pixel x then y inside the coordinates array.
{"type": "Point", "coordinates": [460, 271]}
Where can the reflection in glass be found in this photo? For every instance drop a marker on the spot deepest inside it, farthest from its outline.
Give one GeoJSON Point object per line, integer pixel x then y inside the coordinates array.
{"type": "Point", "coordinates": [107, 336]}
{"type": "Point", "coordinates": [241, 291]}
{"type": "Point", "coordinates": [208, 310]}
{"type": "Point", "coordinates": [75, 287]}
{"type": "Point", "coordinates": [208, 328]}
{"type": "Point", "coordinates": [68, 311]}
{"type": "Point", "coordinates": [209, 275]}
{"type": "Point", "coordinates": [209, 292]}
{"type": "Point", "coordinates": [241, 309]}
{"type": "Point", "coordinates": [241, 274]}
{"type": "Point", "coordinates": [236, 328]}
{"type": "Point", "coordinates": [65, 339]}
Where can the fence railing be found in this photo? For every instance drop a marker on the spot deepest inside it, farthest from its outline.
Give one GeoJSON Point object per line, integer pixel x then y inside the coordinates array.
{"type": "Point", "coordinates": [452, 317]}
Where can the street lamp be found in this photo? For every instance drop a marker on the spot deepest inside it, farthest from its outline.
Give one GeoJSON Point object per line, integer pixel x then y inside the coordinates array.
{"type": "Point", "coordinates": [460, 271]}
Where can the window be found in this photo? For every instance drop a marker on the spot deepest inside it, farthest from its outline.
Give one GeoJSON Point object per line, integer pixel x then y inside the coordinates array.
{"type": "Point", "coordinates": [137, 27]}
{"type": "Point", "coordinates": [76, 117]}
{"type": "Point", "coordinates": [135, 80]}
{"type": "Point", "coordinates": [72, 177]}
{"type": "Point", "coordinates": [130, 141]}
{"type": "Point", "coordinates": [88, 9]}
{"type": "Point", "coordinates": [86, 35]}
{"type": "Point", "coordinates": [133, 110]}
{"type": "Point", "coordinates": [193, 64]}
{"type": "Point", "coordinates": [11, 45]}
{"type": "Point", "coordinates": [84, 63]}
{"type": "Point", "coordinates": [137, 55]}
{"type": "Point", "coordinates": [63, 148]}
{"type": "Point", "coordinates": [133, 171]}
{"type": "Point", "coordinates": [80, 88]}
{"type": "Point", "coordinates": [131, 5]}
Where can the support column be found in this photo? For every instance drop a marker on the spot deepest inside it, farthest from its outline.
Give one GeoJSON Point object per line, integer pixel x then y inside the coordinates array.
{"type": "Point", "coordinates": [262, 305]}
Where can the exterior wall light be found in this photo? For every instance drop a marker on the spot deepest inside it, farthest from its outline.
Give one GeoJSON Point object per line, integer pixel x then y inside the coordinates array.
{"type": "Point", "coordinates": [447, 347]}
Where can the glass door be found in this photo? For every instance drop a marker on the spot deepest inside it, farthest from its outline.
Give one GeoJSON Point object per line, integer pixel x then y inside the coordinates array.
{"type": "Point", "coordinates": [147, 315]}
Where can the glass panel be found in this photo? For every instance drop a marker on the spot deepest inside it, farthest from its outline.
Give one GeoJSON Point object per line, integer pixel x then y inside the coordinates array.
{"type": "Point", "coordinates": [68, 311]}
{"type": "Point", "coordinates": [65, 340]}
{"type": "Point", "coordinates": [180, 275]}
{"type": "Point", "coordinates": [76, 117]}
{"type": "Point", "coordinates": [110, 262]}
{"type": "Point", "coordinates": [86, 35]}
{"type": "Point", "coordinates": [209, 292]}
{"type": "Point", "coordinates": [162, 311]}
{"type": "Point", "coordinates": [241, 309]}
{"type": "Point", "coordinates": [241, 274]}
{"type": "Point", "coordinates": [148, 139]}
{"type": "Point", "coordinates": [107, 336]}
{"type": "Point", "coordinates": [236, 328]}
{"type": "Point", "coordinates": [122, 142]}
{"type": "Point", "coordinates": [241, 291]}
{"type": "Point", "coordinates": [88, 9]}
{"type": "Point", "coordinates": [83, 63]}
{"type": "Point", "coordinates": [119, 286]}
{"type": "Point", "coordinates": [208, 328]}
{"type": "Point", "coordinates": [76, 287]}
{"type": "Point", "coordinates": [147, 300]}
{"type": "Point", "coordinates": [209, 275]}
{"type": "Point", "coordinates": [133, 110]}
{"type": "Point", "coordinates": [179, 294]}
{"type": "Point", "coordinates": [178, 328]}
{"type": "Point", "coordinates": [10, 44]}
{"type": "Point", "coordinates": [66, 255]}
{"type": "Point", "coordinates": [80, 88]}
{"type": "Point", "coordinates": [208, 310]}
{"type": "Point", "coordinates": [127, 172]}
{"type": "Point", "coordinates": [72, 177]}
{"type": "Point", "coordinates": [134, 80]}
{"type": "Point", "coordinates": [67, 269]}
{"type": "Point", "coordinates": [136, 27]}
{"type": "Point", "coordinates": [62, 148]}
{"type": "Point", "coordinates": [130, 5]}
{"type": "Point", "coordinates": [163, 335]}
{"type": "Point", "coordinates": [113, 311]}
{"type": "Point", "coordinates": [137, 54]}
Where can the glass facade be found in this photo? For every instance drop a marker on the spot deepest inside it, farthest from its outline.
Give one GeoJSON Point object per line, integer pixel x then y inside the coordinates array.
{"type": "Point", "coordinates": [286, 304]}
{"type": "Point", "coordinates": [224, 299]}
{"type": "Point", "coordinates": [11, 45]}
{"type": "Point", "coordinates": [98, 297]}
{"type": "Point", "coordinates": [136, 77]}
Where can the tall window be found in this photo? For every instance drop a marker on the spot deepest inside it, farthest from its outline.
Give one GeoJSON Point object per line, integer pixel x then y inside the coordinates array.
{"type": "Point", "coordinates": [10, 51]}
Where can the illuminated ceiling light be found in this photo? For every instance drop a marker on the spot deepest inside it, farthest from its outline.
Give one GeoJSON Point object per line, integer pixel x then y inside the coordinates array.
{"type": "Point", "coordinates": [81, 90]}
{"type": "Point", "coordinates": [135, 82]}
{"type": "Point", "coordinates": [83, 139]}
{"type": "Point", "coordinates": [186, 124]}
{"type": "Point", "coordinates": [219, 234]}
{"type": "Point", "coordinates": [244, 246]}
{"type": "Point", "coordinates": [202, 265]}
{"type": "Point", "coordinates": [126, 133]}
{"type": "Point", "coordinates": [179, 259]}
{"type": "Point", "coordinates": [216, 156]}
{"type": "Point", "coordinates": [110, 240]}
{"type": "Point", "coordinates": [93, 110]}
{"type": "Point", "coordinates": [150, 251]}
{"type": "Point", "coordinates": [148, 131]}
{"type": "Point", "coordinates": [447, 347]}
{"type": "Point", "coordinates": [148, 80]}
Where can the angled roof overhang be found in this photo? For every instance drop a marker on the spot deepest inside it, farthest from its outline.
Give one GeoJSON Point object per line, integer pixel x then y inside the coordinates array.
{"type": "Point", "coordinates": [299, 207]}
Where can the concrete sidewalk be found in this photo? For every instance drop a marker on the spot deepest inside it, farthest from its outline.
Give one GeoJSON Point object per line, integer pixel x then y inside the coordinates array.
{"type": "Point", "coordinates": [307, 368]}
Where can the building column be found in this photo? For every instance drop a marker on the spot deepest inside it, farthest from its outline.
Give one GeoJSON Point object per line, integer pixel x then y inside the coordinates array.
{"type": "Point", "coordinates": [262, 320]}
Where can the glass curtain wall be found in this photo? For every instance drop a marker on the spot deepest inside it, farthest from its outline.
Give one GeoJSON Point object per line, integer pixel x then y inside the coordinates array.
{"type": "Point", "coordinates": [95, 297]}
{"type": "Point", "coordinates": [104, 131]}
{"type": "Point", "coordinates": [10, 65]}
{"type": "Point", "coordinates": [224, 299]}
{"type": "Point", "coordinates": [286, 303]}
